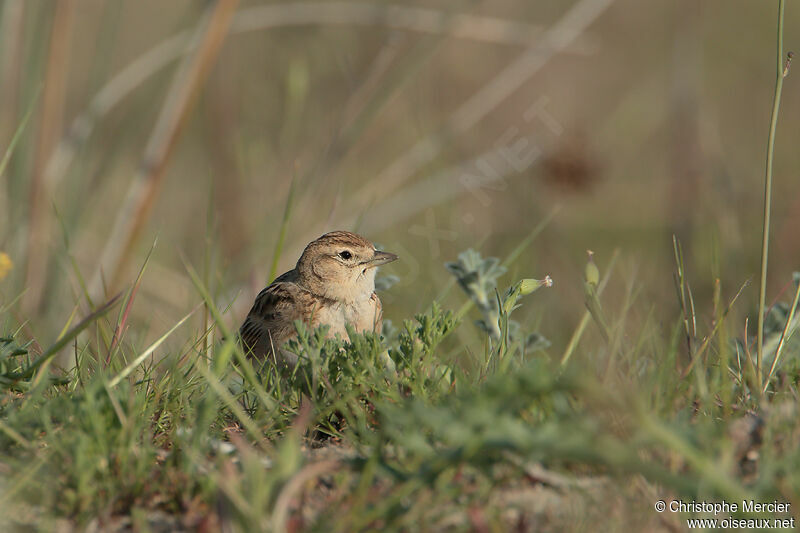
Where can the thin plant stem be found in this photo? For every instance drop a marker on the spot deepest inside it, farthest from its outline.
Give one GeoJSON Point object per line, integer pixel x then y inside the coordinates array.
{"type": "Point", "coordinates": [587, 316]}
{"type": "Point", "coordinates": [781, 72]}
{"type": "Point", "coordinates": [50, 126]}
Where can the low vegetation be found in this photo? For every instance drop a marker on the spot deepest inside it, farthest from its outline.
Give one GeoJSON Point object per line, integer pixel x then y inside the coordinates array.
{"type": "Point", "coordinates": [397, 431]}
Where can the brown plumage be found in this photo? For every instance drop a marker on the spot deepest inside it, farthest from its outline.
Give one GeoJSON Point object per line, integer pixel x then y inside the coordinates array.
{"type": "Point", "coordinates": [333, 283]}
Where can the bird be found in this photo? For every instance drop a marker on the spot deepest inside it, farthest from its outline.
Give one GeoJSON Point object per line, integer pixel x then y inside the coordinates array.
{"type": "Point", "coordinates": [333, 284]}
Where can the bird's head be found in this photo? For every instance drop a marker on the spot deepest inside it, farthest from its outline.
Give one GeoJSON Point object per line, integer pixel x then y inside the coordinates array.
{"type": "Point", "coordinates": [341, 266]}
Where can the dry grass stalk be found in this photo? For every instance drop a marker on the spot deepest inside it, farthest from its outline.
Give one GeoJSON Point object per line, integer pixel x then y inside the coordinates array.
{"type": "Point", "coordinates": [146, 184]}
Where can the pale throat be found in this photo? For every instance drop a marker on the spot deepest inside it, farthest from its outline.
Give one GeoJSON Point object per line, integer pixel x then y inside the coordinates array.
{"type": "Point", "coordinates": [352, 289]}
{"type": "Point", "coordinates": [353, 303]}
{"type": "Point", "coordinates": [357, 289]}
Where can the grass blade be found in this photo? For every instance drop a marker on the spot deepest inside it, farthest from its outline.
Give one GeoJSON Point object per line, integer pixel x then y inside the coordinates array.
{"type": "Point", "coordinates": [66, 339]}
{"type": "Point", "coordinates": [707, 341]}
{"type": "Point", "coordinates": [122, 319]}
{"type": "Point", "coordinates": [287, 211]}
{"type": "Point", "coordinates": [150, 349]}
{"type": "Point", "coordinates": [18, 133]}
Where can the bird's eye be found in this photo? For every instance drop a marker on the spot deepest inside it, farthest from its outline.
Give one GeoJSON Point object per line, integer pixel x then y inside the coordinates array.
{"type": "Point", "coordinates": [345, 255]}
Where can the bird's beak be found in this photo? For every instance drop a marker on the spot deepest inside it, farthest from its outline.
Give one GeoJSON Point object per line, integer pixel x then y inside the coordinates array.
{"type": "Point", "coordinates": [381, 258]}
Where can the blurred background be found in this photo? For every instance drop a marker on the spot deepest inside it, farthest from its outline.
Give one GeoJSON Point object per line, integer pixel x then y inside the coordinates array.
{"type": "Point", "coordinates": [428, 127]}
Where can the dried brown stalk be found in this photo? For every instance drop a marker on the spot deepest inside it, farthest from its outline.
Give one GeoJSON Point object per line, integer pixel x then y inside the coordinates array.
{"type": "Point", "coordinates": [146, 185]}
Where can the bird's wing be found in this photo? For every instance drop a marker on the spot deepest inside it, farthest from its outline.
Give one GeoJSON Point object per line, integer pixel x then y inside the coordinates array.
{"type": "Point", "coordinates": [270, 322]}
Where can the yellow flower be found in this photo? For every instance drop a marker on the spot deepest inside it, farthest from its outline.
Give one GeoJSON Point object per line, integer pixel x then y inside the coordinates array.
{"type": "Point", "coordinates": [5, 264]}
